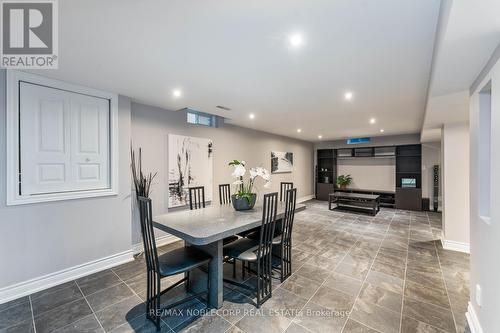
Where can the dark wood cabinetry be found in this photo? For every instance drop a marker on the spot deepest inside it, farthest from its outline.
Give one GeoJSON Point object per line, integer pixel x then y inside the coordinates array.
{"type": "Point", "coordinates": [409, 177]}
{"type": "Point", "coordinates": [409, 198]}
{"type": "Point", "coordinates": [326, 173]}
{"type": "Point", "coordinates": [323, 190]}
{"type": "Point", "coordinates": [408, 160]}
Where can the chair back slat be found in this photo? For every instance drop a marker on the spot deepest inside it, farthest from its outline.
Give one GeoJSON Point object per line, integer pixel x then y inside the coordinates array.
{"type": "Point", "coordinates": [288, 218]}
{"type": "Point", "coordinates": [196, 197]}
{"type": "Point", "coordinates": [270, 207]}
{"type": "Point", "coordinates": [224, 194]}
{"type": "Point", "coordinates": [284, 186]}
{"type": "Point", "coordinates": [147, 231]}
{"type": "Point", "coordinates": [265, 248]}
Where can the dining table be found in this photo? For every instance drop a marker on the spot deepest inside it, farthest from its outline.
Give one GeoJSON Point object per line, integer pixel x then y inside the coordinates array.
{"type": "Point", "coordinates": [206, 229]}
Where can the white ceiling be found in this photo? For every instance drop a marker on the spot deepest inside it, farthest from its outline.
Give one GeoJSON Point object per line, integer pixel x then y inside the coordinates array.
{"type": "Point", "coordinates": [469, 33]}
{"type": "Point", "coordinates": [472, 32]}
{"type": "Point", "coordinates": [235, 53]}
{"type": "Point", "coordinates": [449, 108]}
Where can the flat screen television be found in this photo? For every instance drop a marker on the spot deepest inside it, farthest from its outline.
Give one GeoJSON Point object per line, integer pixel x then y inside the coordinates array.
{"type": "Point", "coordinates": [409, 182]}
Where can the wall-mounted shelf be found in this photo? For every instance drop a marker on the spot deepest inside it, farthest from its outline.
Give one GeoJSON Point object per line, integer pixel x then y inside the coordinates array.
{"type": "Point", "coordinates": [344, 152]}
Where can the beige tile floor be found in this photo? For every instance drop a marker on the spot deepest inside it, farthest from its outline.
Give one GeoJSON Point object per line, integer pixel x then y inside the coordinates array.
{"type": "Point", "coordinates": [352, 273]}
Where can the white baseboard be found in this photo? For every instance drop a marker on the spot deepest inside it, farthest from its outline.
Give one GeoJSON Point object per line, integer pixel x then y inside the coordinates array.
{"type": "Point", "coordinates": [306, 198]}
{"type": "Point", "coordinates": [160, 241]}
{"type": "Point", "coordinates": [472, 319]}
{"type": "Point", "coordinates": [43, 282]}
{"type": "Point", "coordinates": [455, 246]}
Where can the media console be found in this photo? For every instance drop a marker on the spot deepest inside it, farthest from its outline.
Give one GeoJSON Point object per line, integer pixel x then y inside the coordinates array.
{"type": "Point", "coordinates": [355, 201]}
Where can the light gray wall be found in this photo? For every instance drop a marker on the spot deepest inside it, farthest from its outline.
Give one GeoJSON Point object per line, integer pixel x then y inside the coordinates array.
{"type": "Point", "coordinates": [456, 208]}
{"type": "Point", "coordinates": [43, 238]}
{"type": "Point", "coordinates": [150, 129]}
{"type": "Point", "coordinates": [484, 234]}
{"type": "Point", "coordinates": [363, 170]}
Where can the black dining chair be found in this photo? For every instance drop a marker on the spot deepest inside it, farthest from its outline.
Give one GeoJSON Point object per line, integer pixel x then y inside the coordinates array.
{"type": "Point", "coordinates": [258, 252]}
{"type": "Point", "coordinates": [284, 186]}
{"type": "Point", "coordinates": [196, 197]}
{"type": "Point", "coordinates": [284, 240]}
{"type": "Point", "coordinates": [197, 200]}
{"type": "Point", "coordinates": [283, 235]}
{"type": "Point", "coordinates": [181, 260]}
{"type": "Point", "coordinates": [225, 194]}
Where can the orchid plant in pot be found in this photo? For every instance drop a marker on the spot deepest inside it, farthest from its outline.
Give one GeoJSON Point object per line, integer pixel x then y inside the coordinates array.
{"type": "Point", "coordinates": [244, 198]}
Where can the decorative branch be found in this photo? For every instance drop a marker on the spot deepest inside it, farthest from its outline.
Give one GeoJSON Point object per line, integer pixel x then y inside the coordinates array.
{"type": "Point", "coordinates": [142, 183]}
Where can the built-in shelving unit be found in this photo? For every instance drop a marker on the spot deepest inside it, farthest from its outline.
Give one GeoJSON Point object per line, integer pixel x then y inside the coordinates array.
{"type": "Point", "coordinates": [409, 177]}
{"type": "Point", "coordinates": [326, 173]}
{"type": "Point", "coordinates": [408, 160]}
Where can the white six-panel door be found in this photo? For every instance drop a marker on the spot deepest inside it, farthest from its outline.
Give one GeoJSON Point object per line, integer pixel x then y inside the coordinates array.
{"type": "Point", "coordinates": [64, 141]}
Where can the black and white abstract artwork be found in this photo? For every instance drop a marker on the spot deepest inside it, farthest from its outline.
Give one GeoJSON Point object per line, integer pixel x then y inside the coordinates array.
{"type": "Point", "coordinates": [190, 163]}
{"type": "Point", "coordinates": [281, 162]}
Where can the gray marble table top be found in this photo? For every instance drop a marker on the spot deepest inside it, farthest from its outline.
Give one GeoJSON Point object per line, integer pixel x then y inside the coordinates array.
{"type": "Point", "coordinates": [208, 225]}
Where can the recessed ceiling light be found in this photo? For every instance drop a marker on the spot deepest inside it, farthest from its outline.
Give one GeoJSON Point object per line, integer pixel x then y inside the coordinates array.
{"type": "Point", "coordinates": [348, 95]}
{"type": "Point", "coordinates": [251, 116]}
{"type": "Point", "coordinates": [299, 130]}
{"type": "Point", "coordinates": [372, 121]}
{"type": "Point", "coordinates": [320, 136]}
{"type": "Point", "coordinates": [176, 93]}
{"type": "Point", "coordinates": [382, 130]}
{"type": "Point", "coordinates": [296, 40]}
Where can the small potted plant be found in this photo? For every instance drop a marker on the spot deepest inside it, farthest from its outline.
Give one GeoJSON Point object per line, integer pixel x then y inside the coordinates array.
{"type": "Point", "coordinates": [244, 199]}
{"type": "Point", "coordinates": [343, 181]}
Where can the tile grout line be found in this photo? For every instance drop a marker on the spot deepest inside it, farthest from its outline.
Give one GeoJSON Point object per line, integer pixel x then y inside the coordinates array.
{"type": "Point", "coordinates": [305, 328]}
{"type": "Point", "coordinates": [91, 309]}
{"type": "Point", "coordinates": [366, 277]}
{"type": "Point", "coordinates": [404, 279]}
{"type": "Point", "coordinates": [133, 291]}
{"type": "Point", "coordinates": [125, 283]}
{"type": "Point", "coordinates": [32, 314]}
{"type": "Point", "coordinates": [446, 287]}
{"type": "Point", "coordinates": [366, 325]}
{"type": "Point", "coordinates": [168, 326]}
{"type": "Point", "coordinates": [291, 321]}
{"type": "Point", "coordinates": [340, 261]}
{"type": "Point", "coordinates": [425, 302]}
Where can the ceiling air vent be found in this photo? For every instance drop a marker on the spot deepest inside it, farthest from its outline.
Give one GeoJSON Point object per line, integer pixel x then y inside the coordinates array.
{"type": "Point", "coordinates": [223, 107]}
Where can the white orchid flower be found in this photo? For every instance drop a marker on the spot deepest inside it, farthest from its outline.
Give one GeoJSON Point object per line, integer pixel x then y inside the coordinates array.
{"type": "Point", "coordinates": [266, 175]}
{"type": "Point", "coordinates": [239, 171]}
{"type": "Point", "coordinates": [254, 172]}
{"type": "Point", "coordinates": [238, 182]}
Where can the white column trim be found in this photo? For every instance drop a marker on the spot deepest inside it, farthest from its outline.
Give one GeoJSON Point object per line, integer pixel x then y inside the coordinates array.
{"type": "Point", "coordinates": [43, 282]}
{"type": "Point", "coordinates": [474, 325]}
{"type": "Point", "coordinates": [306, 198]}
{"type": "Point", "coordinates": [455, 246]}
{"type": "Point", "coordinates": [160, 241]}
